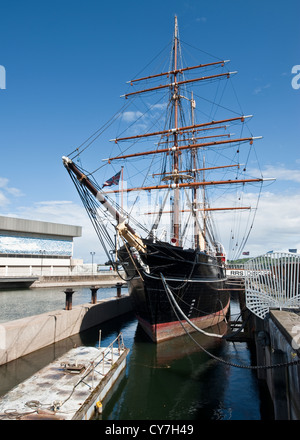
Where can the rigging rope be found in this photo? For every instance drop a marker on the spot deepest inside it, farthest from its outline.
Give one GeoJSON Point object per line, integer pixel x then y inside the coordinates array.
{"type": "Point", "coordinates": [101, 130]}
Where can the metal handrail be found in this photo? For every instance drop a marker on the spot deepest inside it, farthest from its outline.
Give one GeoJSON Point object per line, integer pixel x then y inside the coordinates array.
{"type": "Point", "coordinates": [103, 354]}
{"type": "Point", "coordinates": [272, 281]}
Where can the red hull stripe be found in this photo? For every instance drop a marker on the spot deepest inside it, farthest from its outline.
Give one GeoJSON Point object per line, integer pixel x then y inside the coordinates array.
{"type": "Point", "coordinates": [168, 330]}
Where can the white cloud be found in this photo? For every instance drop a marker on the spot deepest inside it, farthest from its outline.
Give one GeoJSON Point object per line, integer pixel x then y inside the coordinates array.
{"type": "Point", "coordinates": [158, 106]}
{"type": "Point", "coordinates": [260, 89]}
{"type": "Point", "coordinates": [131, 116]}
{"type": "Point", "coordinates": [276, 225]}
{"type": "Point", "coordinates": [3, 182]}
{"type": "Point", "coordinates": [279, 172]}
{"type": "Point", "coordinates": [3, 200]}
{"type": "Point", "coordinates": [282, 173]}
{"type": "Point", "coordinates": [14, 191]}
{"type": "Point", "coordinates": [7, 191]}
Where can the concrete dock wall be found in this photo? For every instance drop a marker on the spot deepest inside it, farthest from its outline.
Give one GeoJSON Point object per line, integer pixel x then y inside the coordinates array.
{"type": "Point", "coordinates": [23, 336]}
{"type": "Point", "coordinates": [99, 280]}
{"type": "Point", "coordinates": [277, 343]}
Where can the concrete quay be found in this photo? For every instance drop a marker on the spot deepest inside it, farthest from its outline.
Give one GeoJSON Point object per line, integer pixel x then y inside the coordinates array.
{"type": "Point", "coordinates": [277, 342]}
{"type": "Point", "coordinates": [26, 335]}
{"type": "Point", "coordinates": [100, 280]}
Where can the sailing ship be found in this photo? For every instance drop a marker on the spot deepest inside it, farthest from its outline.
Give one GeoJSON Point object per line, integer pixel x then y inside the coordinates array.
{"type": "Point", "coordinates": [176, 278]}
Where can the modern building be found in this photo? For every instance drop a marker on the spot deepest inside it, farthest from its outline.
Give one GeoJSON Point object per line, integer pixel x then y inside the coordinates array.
{"type": "Point", "coordinates": [31, 248]}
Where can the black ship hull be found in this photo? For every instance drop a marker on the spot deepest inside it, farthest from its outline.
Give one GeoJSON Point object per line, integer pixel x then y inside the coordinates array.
{"type": "Point", "coordinates": [195, 278]}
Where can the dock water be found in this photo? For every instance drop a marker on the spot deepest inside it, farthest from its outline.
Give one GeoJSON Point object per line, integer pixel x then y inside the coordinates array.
{"type": "Point", "coordinates": [179, 384]}
{"type": "Point", "coordinates": [141, 363]}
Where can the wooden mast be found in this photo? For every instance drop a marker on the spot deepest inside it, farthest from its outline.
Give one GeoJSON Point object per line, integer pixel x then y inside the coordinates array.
{"type": "Point", "coordinates": [175, 166]}
{"type": "Point", "coordinates": [197, 231]}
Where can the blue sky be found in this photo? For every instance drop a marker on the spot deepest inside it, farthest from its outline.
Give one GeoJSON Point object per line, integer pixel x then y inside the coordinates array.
{"type": "Point", "coordinates": [66, 66]}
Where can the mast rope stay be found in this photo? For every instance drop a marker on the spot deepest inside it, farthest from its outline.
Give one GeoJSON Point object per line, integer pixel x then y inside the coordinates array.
{"type": "Point", "coordinates": [98, 132]}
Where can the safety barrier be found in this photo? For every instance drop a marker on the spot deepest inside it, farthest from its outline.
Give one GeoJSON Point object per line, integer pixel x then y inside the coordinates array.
{"type": "Point", "coordinates": [272, 281]}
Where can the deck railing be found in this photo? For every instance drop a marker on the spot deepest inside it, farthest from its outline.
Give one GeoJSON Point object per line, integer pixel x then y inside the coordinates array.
{"type": "Point", "coordinates": [103, 362]}
{"type": "Point", "coordinates": [272, 281]}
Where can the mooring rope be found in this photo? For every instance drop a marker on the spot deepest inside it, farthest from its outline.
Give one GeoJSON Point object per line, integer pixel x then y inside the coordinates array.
{"type": "Point", "coordinates": [167, 289]}
{"type": "Point", "coordinates": [175, 306]}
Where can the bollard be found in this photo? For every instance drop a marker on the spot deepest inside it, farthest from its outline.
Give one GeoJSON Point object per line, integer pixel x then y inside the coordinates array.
{"type": "Point", "coordinates": [94, 294]}
{"type": "Point", "coordinates": [119, 287]}
{"type": "Point", "coordinates": [99, 407]}
{"type": "Point", "coordinates": [69, 292]}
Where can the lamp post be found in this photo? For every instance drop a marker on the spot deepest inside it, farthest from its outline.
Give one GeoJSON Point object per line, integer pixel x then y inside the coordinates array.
{"type": "Point", "coordinates": [42, 253]}
{"type": "Point", "coordinates": [92, 254]}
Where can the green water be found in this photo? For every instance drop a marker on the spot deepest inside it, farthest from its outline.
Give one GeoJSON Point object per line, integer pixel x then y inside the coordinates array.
{"type": "Point", "coordinates": [177, 381]}
{"type": "Point", "coordinates": [173, 380]}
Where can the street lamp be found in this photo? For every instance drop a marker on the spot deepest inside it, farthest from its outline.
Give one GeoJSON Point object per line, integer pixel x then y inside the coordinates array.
{"type": "Point", "coordinates": [42, 253]}
{"type": "Point", "coordinates": [92, 254]}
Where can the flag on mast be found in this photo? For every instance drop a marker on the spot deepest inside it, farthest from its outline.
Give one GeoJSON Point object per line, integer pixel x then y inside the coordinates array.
{"type": "Point", "coordinates": [114, 180]}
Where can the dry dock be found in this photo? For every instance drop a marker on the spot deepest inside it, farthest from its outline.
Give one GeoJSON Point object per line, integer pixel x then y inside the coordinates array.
{"type": "Point", "coordinates": [71, 388]}
{"type": "Point", "coordinates": [23, 336]}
